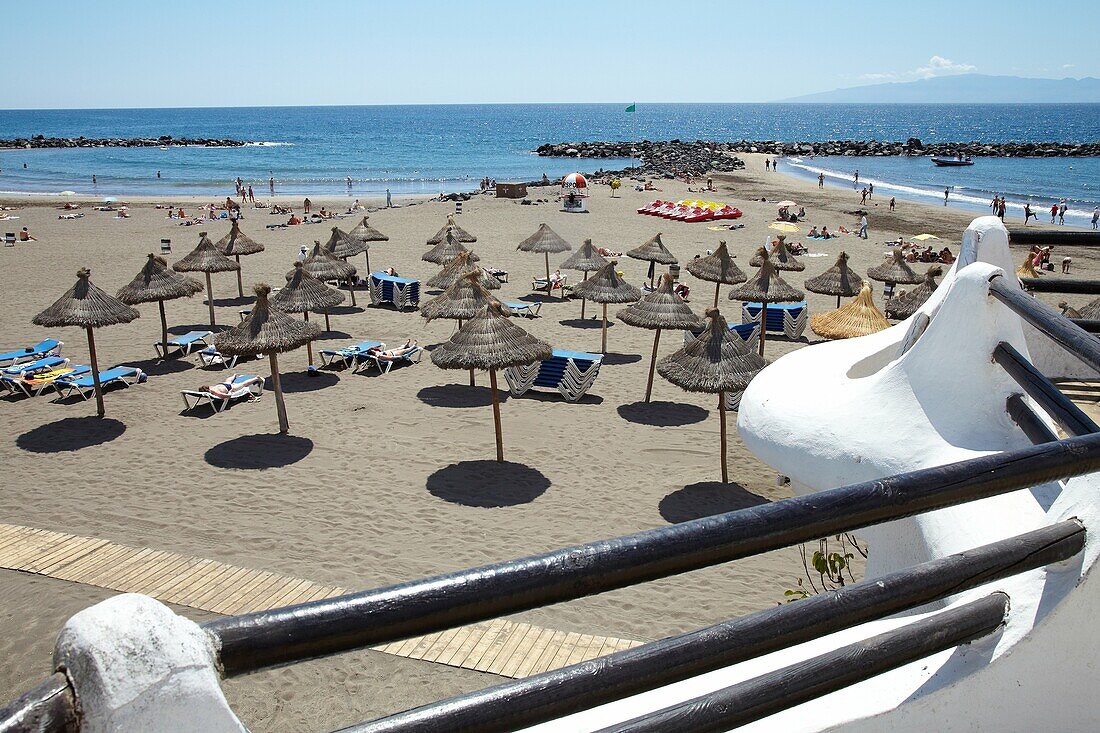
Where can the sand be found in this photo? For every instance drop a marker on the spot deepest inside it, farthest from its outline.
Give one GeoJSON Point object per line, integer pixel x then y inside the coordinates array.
{"type": "Point", "coordinates": [390, 478]}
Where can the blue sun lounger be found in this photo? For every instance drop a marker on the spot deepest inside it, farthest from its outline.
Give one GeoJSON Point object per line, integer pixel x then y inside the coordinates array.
{"type": "Point", "coordinates": [85, 386]}
{"type": "Point", "coordinates": [45, 347]}
{"type": "Point", "coordinates": [403, 292]}
{"type": "Point", "coordinates": [184, 343]}
{"type": "Point", "coordinates": [570, 372]}
{"type": "Point", "coordinates": [39, 365]}
{"type": "Point", "coordinates": [34, 384]}
{"type": "Point", "coordinates": [531, 310]}
{"type": "Point", "coordinates": [786, 318]}
{"type": "Point", "coordinates": [349, 355]}
{"type": "Point", "coordinates": [385, 360]}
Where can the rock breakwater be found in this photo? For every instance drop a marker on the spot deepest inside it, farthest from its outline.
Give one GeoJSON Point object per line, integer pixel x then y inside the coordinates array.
{"type": "Point", "coordinates": [41, 141]}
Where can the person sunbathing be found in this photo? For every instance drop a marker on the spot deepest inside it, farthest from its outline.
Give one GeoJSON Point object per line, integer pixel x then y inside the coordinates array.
{"type": "Point", "coordinates": [225, 388]}
{"type": "Point", "coordinates": [825, 233]}
{"type": "Point", "coordinates": [946, 257]}
{"type": "Point", "coordinates": [391, 271]}
{"type": "Point", "coordinates": [797, 249]}
{"type": "Point", "coordinates": [605, 252]}
{"type": "Point", "coordinates": [25, 235]}
{"type": "Point", "coordinates": [813, 232]}
{"type": "Point", "coordinates": [390, 354]}
{"type": "Point", "coordinates": [293, 220]}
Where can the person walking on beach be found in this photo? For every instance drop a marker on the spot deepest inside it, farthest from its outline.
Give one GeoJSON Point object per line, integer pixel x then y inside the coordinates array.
{"type": "Point", "coordinates": [892, 203]}
{"type": "Point", "coordinates": [767, 164]}
{"type": "Point", "coordinates": [389, 201]}
{"type": "Point", "coordinates": [1095, 216]}
{"type": "Point", "coordinates": [855, 181]}
{"type": "Point", "coordinates": [1029, 214]}
{"type": "Point", "coordinates": [251, 196]}
{"type": "Point", "coordinates": [271, 184]}
{"type": "Point", "coordinates": [870, 190]}
{"type": "Point", "coordinates": [863, 195]}
{"type": "Point", "coordinates": [821, 180]}
{"type": "Point", "coordinates": [1062, 212]}
{"type": "Point", "coordinates": [307, 205]}
{"type": "Point", "coordinates": [348, 179]}
{"type": "Point", "coordinates": [1053, 212]}
{"type": "Point", "coordinates": [93, 179]}
{"type": "Point", "coordinates": [863, 226]}
{"type": "Point", "coordinates": [946, 193]}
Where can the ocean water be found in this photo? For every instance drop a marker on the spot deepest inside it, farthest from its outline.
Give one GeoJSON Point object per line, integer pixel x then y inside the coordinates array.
{"type": "Point", "coordinates": [435, 148]}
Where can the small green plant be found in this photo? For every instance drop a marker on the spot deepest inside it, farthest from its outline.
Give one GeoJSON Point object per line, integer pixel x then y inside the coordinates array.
{"type": "Point", "coordinates": [830, 562]}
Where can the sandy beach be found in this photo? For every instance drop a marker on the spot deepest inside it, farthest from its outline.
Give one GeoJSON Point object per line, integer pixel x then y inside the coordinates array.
{"type": "Point", "coordinates": [390, 478]}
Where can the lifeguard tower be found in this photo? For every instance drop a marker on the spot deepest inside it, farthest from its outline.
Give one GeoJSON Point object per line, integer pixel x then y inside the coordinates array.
{"type": "Point", "coordinates": [574, 194]}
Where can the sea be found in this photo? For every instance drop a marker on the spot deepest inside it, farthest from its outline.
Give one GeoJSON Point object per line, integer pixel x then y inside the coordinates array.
{"type": "Point", "coordinates": [431, 149]}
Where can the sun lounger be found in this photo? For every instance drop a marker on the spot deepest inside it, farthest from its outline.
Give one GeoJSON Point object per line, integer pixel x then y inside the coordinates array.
{"type": "Point", "coordinates": [184, 343]}
{"type": "Point", "coordinates": [9, 239]}
{"type": "Point", "coordinates": [32, 385]}
{"type": "Point", "coordinates": [250, 386]}
{"type": "Point", "coordinates": [501, 275]}
{"type": "Point", "coordinates": [786, 318]}
{"type": "Point", "coordinates": [539, 283]}
{"type": "Point", "coordinates": [85, 386]}
{"type": "Point", "coordinates": [402, 292]}
{"type": "Point", "coordinates": [45, 347]}
{"type": "Point", "coordinates": [572, 373]}
{"type": "Point", "coordinates": [44, 364]}
{"type": "Point", "coordinates": [349, 355]}
{"type": "Point", "coordinates": [749, 333]}
{"type": "Point", "coordinates": [384, 360]}
{"type": "Point", "coordinates": [531, 310]}
{"type": "Point", "coordinates": [212, 357]}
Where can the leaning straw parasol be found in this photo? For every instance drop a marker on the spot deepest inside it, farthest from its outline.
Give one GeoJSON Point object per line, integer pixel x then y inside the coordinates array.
{"type": "Point", "coordinates": [839, 280]}
{"type": "Point", "coordinates": [446, 250]}
{"type": "Point", "coordinates": [1091, 311]}
{"type": "Point", "coordinates": [894, 270]}
{"type": "Point", "coordinates": [458, 232]}
{"type": "Point", "coordinates": [658, 310]}
{"type": "Point", "coordinates": [655, 251]}
{"type": "Point", "coordinates": [715, 363]}
{"type": "Point", "coordinates": [780, 256]}
{"type": "Point", "coordinates": [607, 287]}
{"type": "Point", "coordinates": [903, 306]}
{"type": "Point", "coordinates": [766, 287]}
{"type": "Point", "coordinates": [586, 260]}
{"type": "Point", "coordinates": [858, 317]}
{"type": "Point", "coordinates": [454, 270]}
{"type": "Point", "coordinates": [237, 244]}
{"type": "Point", "coordinates": [464, 299]}
{"type": "Point", "coordinates": [546, 241]}
{"type": "Point", "coordinates": [157, 283]}
{"type": "Point", "coordinates": [206, 258]}
{"type": "Point", "coordinates": [365, 233]}
{"type": "Point", "coordinates": [88, 307]}
{"type": "Point", "coordinates": [491, 341]}
{"type": "Point", "coordinates": [718, 268]}
{"type": "Point", "coordinates": [1069, 312]}
{"type": "Point", "coordinates": [305, 293]}
{"type": "Point", "coordinates": [325, 267]}
{"type": "Point", "coordinates": [270, 331]}
{"type": "Point", "coordinates": [342, 246]}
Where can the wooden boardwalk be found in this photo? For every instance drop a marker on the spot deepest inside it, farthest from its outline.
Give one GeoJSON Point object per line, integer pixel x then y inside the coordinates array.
{"type": "Point", "coordinates": [500, 647]}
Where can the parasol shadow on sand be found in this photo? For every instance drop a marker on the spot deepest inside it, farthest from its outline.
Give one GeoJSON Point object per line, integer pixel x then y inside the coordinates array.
{"type": "Point", "coordinates": [659, 310]}
{"type": "Point", "coordinates": [207, 259]}
{"type": "Point", "coordinates": [458, 396]}
{"type": "Point", "coordinates": [299, 382]}
{"type": "Point", "coordinates": [237, 244]}
{"type": "Point", "coordinates": [488, 484]}
{"type": "Point", "coordinates": [156, 283]}
{"type": "Point", "coordinates": [662, 414]}
{"type": "Point", "coordinates": [606, 286]}
{"type": "Point", "coordinates": [259, 452]}
{"type": "Point", "coordinates": [70, 434]}
{"type": "Point", "coordinates": [546, 241]}
{"type": "Point", "coordinates": [586, 260]}
{"type": "Point", "coordinates": [705, 499]}
{"type": "Point", "coordinates": [718, 268]}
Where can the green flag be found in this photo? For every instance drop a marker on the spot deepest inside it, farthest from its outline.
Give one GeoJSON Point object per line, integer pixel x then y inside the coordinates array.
{"type": "Point", "coordinates": [632, 108]}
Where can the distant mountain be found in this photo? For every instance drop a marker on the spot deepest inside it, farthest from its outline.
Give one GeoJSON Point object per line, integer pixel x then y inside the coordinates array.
{"type": "Point", "coordinates": [966, 88]}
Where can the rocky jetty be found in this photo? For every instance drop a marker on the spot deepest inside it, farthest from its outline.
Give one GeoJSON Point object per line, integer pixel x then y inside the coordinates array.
{"type": "Point", "coordinates": [663, 158]}
{"type": "Point", "coordinates": [41, 141]}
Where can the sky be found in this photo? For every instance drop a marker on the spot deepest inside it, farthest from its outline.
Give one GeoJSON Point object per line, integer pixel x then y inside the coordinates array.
{"type": "Point", "coordinates": [215, 54]}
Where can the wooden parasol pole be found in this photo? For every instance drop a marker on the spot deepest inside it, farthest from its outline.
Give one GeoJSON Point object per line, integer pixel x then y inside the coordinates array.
{"type": "Point", "coordinates": [603, 347]}
{"type": "Point", "coordinates": [328, 326]}
{"type": "Point", "coordinates": [210, 298]}
{"type": "Point", "coordinates": [367, 253]}
{"type": "Point", "coordinates": [284, 426]}
{"type": "Point", "coordinates": [717, 287]}
{"type": "Point", "coordinates": [496, 414]}
{"type": "Point", "coordinates": [95, 374]}
{"type": "Point", "coordinates": [471, 368]}
{"type": "Point", "coordinates": [763, 325]}
{"type": "Point", "coordinates": [309, 344]}
{"type": "Point", "coordinates": [722, 422]}
{"type": "Point", "coordinates": [583, 301]}
{"type": "Point", "coordinates": [240, 279]}
{"type": "Point", "coordinates": [652, 365]}
{"type": "Point", "coordinates": [550, 285]}
{"type": "Point", "coordinates": [351, 290]}
{"type": "Point", "coordinates": [163, 328]}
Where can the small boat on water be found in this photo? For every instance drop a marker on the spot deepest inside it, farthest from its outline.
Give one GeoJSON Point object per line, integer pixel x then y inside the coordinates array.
{"type": "Point", "coordinates": [957, 161]}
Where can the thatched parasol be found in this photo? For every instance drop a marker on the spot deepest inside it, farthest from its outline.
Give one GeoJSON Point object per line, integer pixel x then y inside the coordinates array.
{"type": "Point", "coordinates": [157, 282]}
{"type": "Point", "coordinates": [305, 293]}
{"type": "Point", "coordinates": [456, 268]}
{"type": "Point", "coordinates": [894, 271]}
{"type": "Point", "coordinates": [206, 258]}
{"type": "Point", "coordinates": [270, 331]}
{"type": "Point", "coordinates": [324, 266]}
{"type": "Point", "coordinates": [903, 306]}
{"type": "Point", "coordinates": [839, 280]}
{"type": "Point", "coordinates": [662, 308]}
{"type": "Point", "coordinates": [717, 362]}
{"type": "Point", "coordinates": [546, 241]}
{"type": "Point", "coordinates": [463, 300]}
{"type": "Point", "coordinates": [780, 256]}
{"type": "Point", "coordinates": [459, 233]}
{"type": "Point", "coordinates": [88, 307]}
{"type": "Point", "coordinates": [655, 251]}
{"type": "Point", "coordinates": [1070, 312]}
{"type": "Point", "coordinates": [717, 268]}
{"type": "Point", "coordinates": [607, 287]}
{"type": "Point", "coordinates": [364, 232]}
{"type": "Point", "coordinates": [858, 317]}
{"type": "Point", "coordinates": [491, 341]}
{"type": "Point", "coordinates": [1027, 267]}
{"type": "Point", "coordinates": [1091, 311]}
{"type": "Point", "coordinates": [237, 244]}
{"type": "Point", "coordinates": [342, 245]}
{"type": "Point", "coordinates": [586, 260]}
{"type": "Point", "coordinates": [766, 287]}
{"type": "Point", "coordinates": [446, 250]}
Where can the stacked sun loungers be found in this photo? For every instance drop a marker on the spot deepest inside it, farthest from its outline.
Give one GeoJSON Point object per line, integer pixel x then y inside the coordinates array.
{"type": "Point", "coordinates": [571, 373]}
{"type": "Point", "coordinates": [402, 292]}
{"type": "Point", "coordinates": [249, 387]}
{"type": "Point", "coordinates": [786, 318]}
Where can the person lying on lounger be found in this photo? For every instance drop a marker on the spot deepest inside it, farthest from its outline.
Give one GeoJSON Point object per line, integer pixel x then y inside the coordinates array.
{"type": "Point", "coordinates": [390, 354]}
{"type": "Point", "coordinates": [605, 252]}
{"type": "Point", "coordinates": [225, 388]}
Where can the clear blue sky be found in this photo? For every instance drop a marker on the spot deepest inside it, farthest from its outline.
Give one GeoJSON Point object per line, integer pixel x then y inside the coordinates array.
{"type": "Point", "coordinates": [272, 52]}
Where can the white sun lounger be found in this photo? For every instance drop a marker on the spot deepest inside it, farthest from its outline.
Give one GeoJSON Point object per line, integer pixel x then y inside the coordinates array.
{"type": "Point", "coordinates": [192, 398]}
{"type": "Point", "coordinates": [383, 361]}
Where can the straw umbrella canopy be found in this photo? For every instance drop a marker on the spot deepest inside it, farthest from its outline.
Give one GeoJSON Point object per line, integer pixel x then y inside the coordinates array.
{"type": "Point", "coordinates": [906, 305]}
{"type": "Point", "coordinates": [325, 266]}
{"type": "Point", "coordinates": [607, 287]}
{"type": "Point", "coordinates": [235, 244]}
{"type": "Point", "coordinates": [1070, 312]}
{"type": "Point", "coordinates": [546, 241]}
{"type": "Point", "coordinates": [456, 269]}
{"type": "Point", "coordinates": [341, 244]}
{"type": "Point", "coordinates": [662, 308]}
{"type": "Point", "coordinates": [586, 260]}
{"type": "Point", "coordinates": [446, 250]}
{"type": "Point", "coordinates": [88, 307]}
{"type": "Point", "coordinates": [365, 233]}
{"type": "Point", "coordinates": [1092, 310]}
{"type": "Point", "coordinates": [894, 271]}
{"type": "Point", "coordinates": [839, 280]}
{"type": "Point", "coordinates": [491, 341]}
{"type": "Point", "coordinates": [766, 287]}
{"type": "Point", "coordinates": [305, 293]}
{"type": "Point", "coordinates": [458, 232]}
{"type": "Point", "coordinates": [655, 251]}
{"type": "Point", "coordinates": [157, 283]}
{"type": "Point", "coordinates": [270, 331]}
{"type": "Point", "coordinates": [780, 256]}
{"type": "Point", "coordinates": [717, 268]}
{"type": "Point", "coordinates": [461, 301]}
{"type": "Point", "coordinates": [858, 317]}
{"type": "Point", "coordinates": [717, 362]}
{"type": "Point", "coordinates": [206, 258]}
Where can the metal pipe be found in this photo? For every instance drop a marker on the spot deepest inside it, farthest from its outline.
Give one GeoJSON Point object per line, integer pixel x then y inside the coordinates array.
{"type": "Point", "coordinates": [1058, 328]}
{"type": "Point", "coordinates": [1033, 426]}
{"type": "Point", "coordinates": [48, 708]}
{"type": "Point", "coordinates": [532, 700]}
{"type": "Point", "coordinates": [277, 636]}
{"type": "Point", "coordinates": [784, 688]}
{"type": "Point", "coordinates": [1072, 419]}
